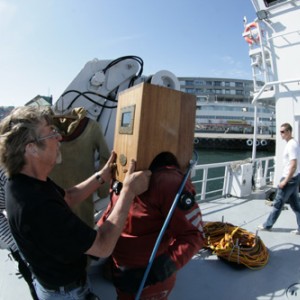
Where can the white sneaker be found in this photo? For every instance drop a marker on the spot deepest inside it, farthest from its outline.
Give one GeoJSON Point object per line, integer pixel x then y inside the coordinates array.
{"type": "Point", "coordinates": [262, 228]}
{"type": "Point", "coordinates": [296, 231]}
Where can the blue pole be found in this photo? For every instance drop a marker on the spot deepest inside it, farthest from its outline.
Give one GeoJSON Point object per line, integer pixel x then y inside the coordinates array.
{"type": "Point", "coordinates": [164, 227]}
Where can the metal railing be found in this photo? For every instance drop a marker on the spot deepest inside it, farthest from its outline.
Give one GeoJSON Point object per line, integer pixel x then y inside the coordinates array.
{"type": "Point", "coordinates": [215, 180]}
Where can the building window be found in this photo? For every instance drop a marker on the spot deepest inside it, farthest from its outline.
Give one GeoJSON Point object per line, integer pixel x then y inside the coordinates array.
{"type": "Point", "coordinates": [199, 91]}
{"type": "Point", "coordinates": [189, 82]}
{"type": "Point", "coordinates": [199, 82]}
{"type": "Point", "coordinates": [190, 91]}
{"type": "Point", "coordinates": [272, 2]}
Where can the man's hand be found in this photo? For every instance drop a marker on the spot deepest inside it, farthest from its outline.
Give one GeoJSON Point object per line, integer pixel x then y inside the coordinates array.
{"type": "Point", "coordinates": [281, 184]}
{"type": "Point", "coordinates": [136, 182]}
{"type": "Point", "coordinates": [107, 171]}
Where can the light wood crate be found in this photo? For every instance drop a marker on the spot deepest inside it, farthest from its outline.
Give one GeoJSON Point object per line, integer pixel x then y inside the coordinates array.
{"type": "Point", "coordinates": [153, 119]}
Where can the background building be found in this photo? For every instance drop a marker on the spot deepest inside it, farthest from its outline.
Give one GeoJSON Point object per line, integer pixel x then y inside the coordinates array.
{"type": "Point", "coordinates": [225, 105]}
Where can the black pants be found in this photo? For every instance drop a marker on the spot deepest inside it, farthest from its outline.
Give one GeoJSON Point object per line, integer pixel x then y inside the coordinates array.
{"type": "Point", "coordinates": [25, 272]}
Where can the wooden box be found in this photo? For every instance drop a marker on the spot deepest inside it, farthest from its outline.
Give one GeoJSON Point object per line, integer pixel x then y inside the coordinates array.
{"type": "Point", "coordinates": [153, 119]}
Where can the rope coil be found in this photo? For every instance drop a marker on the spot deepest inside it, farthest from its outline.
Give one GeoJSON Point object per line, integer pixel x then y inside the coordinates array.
{"type": "Point", "coordinates": [236, 245]}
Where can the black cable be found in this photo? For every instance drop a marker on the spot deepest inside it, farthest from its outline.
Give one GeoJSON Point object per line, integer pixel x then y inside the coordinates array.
{"type": "Point", "coordinates": [84, 94]}
{"type": "Point", "coordinates": [112, 63]}
{"type": "Point", "coordinates": [115, 91]}
{"type": "Point", "coordinates": [133, 57]}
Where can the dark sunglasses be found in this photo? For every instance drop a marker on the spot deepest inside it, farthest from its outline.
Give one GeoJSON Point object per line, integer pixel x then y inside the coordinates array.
{"type": "Point", "coordinates": [282, 131]}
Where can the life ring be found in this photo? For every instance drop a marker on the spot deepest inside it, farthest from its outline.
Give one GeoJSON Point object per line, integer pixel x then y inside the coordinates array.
{"type": "Point", "coordinates": [263, 143]}
{"type": "Point", "coordinates": [249, 143]}
{"type": "Point", "coordinates": [257, 143]}
{"type": "Point", "coordinates": [196, 141]}
{"type": "Point", "coordinates": [248, 36]}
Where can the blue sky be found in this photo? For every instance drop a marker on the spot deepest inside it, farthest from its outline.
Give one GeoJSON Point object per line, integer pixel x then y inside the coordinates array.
{"type": "Point", "coordinates": [44, 44]}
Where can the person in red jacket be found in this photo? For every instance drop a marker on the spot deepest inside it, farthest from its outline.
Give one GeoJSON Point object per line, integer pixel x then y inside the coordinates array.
{"type": "Point", "coordinates": [182, 239]}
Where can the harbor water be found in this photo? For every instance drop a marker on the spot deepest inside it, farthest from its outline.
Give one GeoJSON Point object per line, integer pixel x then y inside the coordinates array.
{"type": "Point", "coordinates": [207, 156]}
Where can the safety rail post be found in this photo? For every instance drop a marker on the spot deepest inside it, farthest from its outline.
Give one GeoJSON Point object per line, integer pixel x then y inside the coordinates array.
{"type": "Point", "coordinates": [226, 179]}
{"type": "Point", "coordinates": [266, 168]}
{"type": "Point", "coordinates": [204, 183]}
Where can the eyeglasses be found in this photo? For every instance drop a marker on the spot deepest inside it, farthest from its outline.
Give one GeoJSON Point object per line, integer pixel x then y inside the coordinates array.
{"type": "Point", "coordinates": [55, 134]}
{"type": "Point", "coordinates": [283, 131]}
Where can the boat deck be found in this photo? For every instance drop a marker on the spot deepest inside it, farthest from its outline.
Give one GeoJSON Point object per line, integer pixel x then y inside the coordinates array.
{"type": "Point", "coordinates": [206, 276]}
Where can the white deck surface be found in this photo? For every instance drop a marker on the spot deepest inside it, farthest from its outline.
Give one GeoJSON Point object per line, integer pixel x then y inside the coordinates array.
{"type": "Point", "coordinates": [205, 276]}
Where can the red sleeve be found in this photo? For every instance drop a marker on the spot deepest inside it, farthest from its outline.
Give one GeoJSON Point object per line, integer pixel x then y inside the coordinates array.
{"type": "Point", "coordinates": [186, 226]}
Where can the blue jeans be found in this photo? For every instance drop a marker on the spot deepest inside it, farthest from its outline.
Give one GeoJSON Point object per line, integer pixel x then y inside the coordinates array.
{"type": "Point", "coordinates": [79, 293]}
{"type": "Point", "coordinates": [289, 192]}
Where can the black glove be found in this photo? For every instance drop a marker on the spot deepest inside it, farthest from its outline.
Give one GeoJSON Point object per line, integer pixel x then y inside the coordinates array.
{"type": "Point", "coordinates": [162, 268]}
{"type": "Point", "coordinates": [130, 280]}
{"type": "Point", "coordinates": [91, 296]}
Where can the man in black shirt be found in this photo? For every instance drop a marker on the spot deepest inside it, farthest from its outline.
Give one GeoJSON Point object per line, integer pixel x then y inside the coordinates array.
{"type": "Point", "coordinates": [53, 240]}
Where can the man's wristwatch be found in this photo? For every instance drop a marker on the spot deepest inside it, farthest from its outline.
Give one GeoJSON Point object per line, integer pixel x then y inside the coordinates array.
{"type": "Point", "coordinates": [99, 178]}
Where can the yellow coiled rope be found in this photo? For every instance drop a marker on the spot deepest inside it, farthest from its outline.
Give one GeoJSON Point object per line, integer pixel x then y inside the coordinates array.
{"type": "Point", "coordinates": [236, 245]}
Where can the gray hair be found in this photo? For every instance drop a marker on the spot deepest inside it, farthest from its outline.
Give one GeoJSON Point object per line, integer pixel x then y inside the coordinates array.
{"type": "Point", "coordinates": [17, 130]}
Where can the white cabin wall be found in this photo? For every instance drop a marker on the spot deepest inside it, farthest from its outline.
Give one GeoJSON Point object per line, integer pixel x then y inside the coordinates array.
{"type": "Point", "coordinates": [281, 35]}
